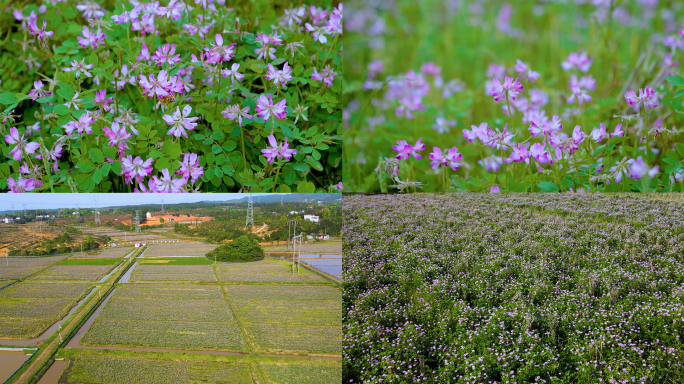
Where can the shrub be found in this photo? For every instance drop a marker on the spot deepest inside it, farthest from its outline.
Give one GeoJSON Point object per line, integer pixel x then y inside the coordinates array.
{"type": "Point", "coordinates": [240, 249]}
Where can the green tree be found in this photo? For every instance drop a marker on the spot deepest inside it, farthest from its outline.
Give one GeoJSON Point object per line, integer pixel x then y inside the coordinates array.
{"type": "Point", "coordinates": [326, 213]}
{"type": "Point", "coordinates": [241, 249]}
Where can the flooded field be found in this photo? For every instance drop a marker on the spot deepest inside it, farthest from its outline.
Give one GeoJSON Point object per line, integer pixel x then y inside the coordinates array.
{"type": "Point", "coordinates": [10, 361]}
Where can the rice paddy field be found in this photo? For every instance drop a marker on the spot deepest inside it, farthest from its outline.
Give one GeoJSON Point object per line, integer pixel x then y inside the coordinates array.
{"type": "Point", "coordinates": [479, 288]}
{"type": "Point", "coordinates": [91, 270]}
{"type": "Point", "coordinates": [107, 253]}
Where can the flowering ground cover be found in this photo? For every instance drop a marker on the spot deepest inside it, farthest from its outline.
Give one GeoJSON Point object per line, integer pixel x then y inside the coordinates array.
{"type": "Point", "coordinates": [105, 367]}
{"type": "Point", "coordinates": [171, 97]}
{"type": "Point", "coordinates": [514, 96]}
{"type": "Point", "coordinates": [27, 309]}
{"type": "Point", "coordinates": [20, 267]}
{"type": "Point", "coordinates": [122, 368]}
{"type": "Point", "coordinates": [475, 288]}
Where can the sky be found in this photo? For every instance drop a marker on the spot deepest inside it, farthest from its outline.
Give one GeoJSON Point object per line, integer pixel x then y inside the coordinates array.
{"type": "Point", "coordinates": [87, 200]}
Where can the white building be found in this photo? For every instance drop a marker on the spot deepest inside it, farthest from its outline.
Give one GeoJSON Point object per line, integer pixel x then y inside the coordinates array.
{"type": "Point", "coordinates": [148, 215]}
{"type": "Point", "coordinates": [294, 212]}
{"type": "Point", "coordinates": [7, 220]}
{"type": "Point", "coordinates": [312, 218]}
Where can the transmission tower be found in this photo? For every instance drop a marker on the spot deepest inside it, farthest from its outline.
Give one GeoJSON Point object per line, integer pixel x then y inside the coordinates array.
{"type": "Point", "coordinates": [162, 205]}
{"type": "Point", "coordinates": [78, 212]}
{"type": "Point", "coordinates": [295, 254]}
{"type": "Point", "coordinates": [250, 212]}
{"type": "Point", "coordinates": [281, 200]}
{"type": "Point", "coordinates": [137, 221]}
{"type": "Point", "coordinates": [13, 214]}
{"type": "Point", "coordinates": [24, 210]}
{"type": "Point", "coordinates": [97, 212]}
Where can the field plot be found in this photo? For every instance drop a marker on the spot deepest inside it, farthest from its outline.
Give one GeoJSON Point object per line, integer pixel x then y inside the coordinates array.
{"type": "Point", "coordinates": [265, 271]}
{"type": "Point", "coordinates": [568, 288]}
{"type": "Point", "coordinates": [74, 272]}
{"type": "Point", "coordinates": [162, 250]}
{"type": "Point", "coordinates": [290, 319]}
{"type": "Point", "coordinates": [27, 309]}
{"type": "Point", "coordinates": [20, 267]}
{"type": "Point", "coordinates": [179, 273]}
{"type": "Point", "coordinates": [148, 369]}
{"type": "Point", "coordinates": [106, 253]}
{"type": "Point", "coordinates": [316, 372]}
{"type": "Point", "coordinates": [171, 316]}
{"type": "Point", "coordinates": [139, 237]}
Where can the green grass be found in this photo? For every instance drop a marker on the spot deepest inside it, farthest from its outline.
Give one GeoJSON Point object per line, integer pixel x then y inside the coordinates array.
{"type": "Point", "coordinates": [88, 261]}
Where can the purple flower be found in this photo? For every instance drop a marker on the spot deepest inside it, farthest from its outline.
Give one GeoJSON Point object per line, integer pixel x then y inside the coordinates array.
{"type": "Point", "coordinates": [180, 122]}
{"type": "Point", "coordinates": [405, 150]}
{"type": "Point", "coordinates": [539, 153]}
{"type": "Point", "coordinates": [478, 132]}
{"type": "Point", "coordinates": [190, 168]}
{"type": "Point", "coordinates": [118, 137]}
{"type": "Point", "coordinates": [82, 125]}
{"type": "Point", "coordinates": [33, 30]}
{"type": "Point", "coordinates": [38, 92]}
{"type": "Point", "coordinates": [279, 76]}
{"type": "Point", "coordinates": [136, 168]}
{"type": "Point", "coordinates": [21, 144]}
{"type": "Point", "coordinates": [21, 185]}
{"type": "Point", "coordinates": [638, 168]}
{"type": "Point", "coordinates": [509, 86]}
{"type": "Point", "coordinates": [579, 61]}
{"type": "Point", "coordinates": [277, 150]}
{"type": "Point", "coordinates": [234, 75]}
{"type": "Point", "coordinates": [159, 86]}
{"type": "Point", "coordinates": [233, 112]}
{"type": "Point", "coordinates": [450, 158]}
{"type": "Point", "coordinates": [167, 184]}
{"type": "Point", "coordinates": [165, 54]}
{"type": "Point", "coordinates": [266, 108]}
{"type": "Point", "coordinates": [94, 39]}
{"type": "Point", "coordinates": [494, 189]}
{"type": "Point", "coordinates": [647, 96]}
{"type": "Point", "coordinates": [219, 52]}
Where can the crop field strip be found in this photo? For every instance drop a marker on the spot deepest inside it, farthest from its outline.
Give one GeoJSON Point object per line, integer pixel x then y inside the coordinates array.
{"type": "Point", "coordinates": [268, 271]}
{"type": "Point", "coordinates": [77, 269]}
{"type": "Point", "coordinates": [548, 275]}
{"type": "Point", "coordinates": [21, 267]}
{"type": "Point", "coordinates": [106, 253]}
{"type": "Point", "coordinates": [27, 309]}
{"type": "Point", "coordinates": [179, 273]}
{"type": "Point", "coordinates": [177, 318]}
{"type": "Point", "coordinates": [170, 250]}
{"type": "Point", "coordinates": [88, 366]}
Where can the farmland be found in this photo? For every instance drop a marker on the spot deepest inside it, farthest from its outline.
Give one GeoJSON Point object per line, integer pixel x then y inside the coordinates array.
{"type": "Point", "coordinates": [248, 328]}
{"type": "Point", "coordinates": [27, 309]}
{"type": "Point", "coordinates": [170, 250]}
{"type": "Point", "coordinates": [77, 269]}
{"type": "Point", "coordinates": [518, 288]}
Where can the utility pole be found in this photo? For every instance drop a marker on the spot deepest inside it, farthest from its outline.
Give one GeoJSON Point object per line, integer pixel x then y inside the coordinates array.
{"type": "Point", "coordinates": [97, 212]}
{"type": "Point", "coordinates": [162, 205]}
{"type": "Point", "coordinates": [290, 223]}
{"type": "Point", "coordinates": [24, 210]}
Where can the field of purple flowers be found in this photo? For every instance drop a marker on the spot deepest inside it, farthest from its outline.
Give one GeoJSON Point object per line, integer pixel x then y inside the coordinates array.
{"type": "Point", "coordinates": [513, 289]}
{"type": "Point", "coordinates": [170, 96]}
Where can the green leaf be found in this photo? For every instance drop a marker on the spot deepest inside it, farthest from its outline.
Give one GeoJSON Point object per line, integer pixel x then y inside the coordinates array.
{"type": "Point", "coordinates": [85, 166]}
{"type": "Point", "coordinates": [216, 149]}
{"type": "Point", "coordinates": [547, 186]}
{"type": "Point", "coordinates": [672, 155]}
{"type": "Point", "coordinates": [96, 155]}
{"type": "Point", "coordinates": [680, 149]}
{"type": "Point", "coordinates": [675, 80]}
{"type": "Point", "coordinates": [162, 163]}
{"type": "Point", "coordinates": [61, 109]}
{"type": "Point", "coordinates": [306, 187]}
{"type": "Point", "coordinates": [8, 98]}
{"type": "Point", "coordinates": [67, 94]}
{"type": "Point", "coordinates": [301, 167]}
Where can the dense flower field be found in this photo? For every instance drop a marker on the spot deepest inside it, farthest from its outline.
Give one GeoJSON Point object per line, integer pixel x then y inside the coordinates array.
{"type": "Point", "coordinates": [475, 95]}
{"type": "Point", "coordinates": [170, 97]}
{"type": "Point", "coordinates": [486, 289]}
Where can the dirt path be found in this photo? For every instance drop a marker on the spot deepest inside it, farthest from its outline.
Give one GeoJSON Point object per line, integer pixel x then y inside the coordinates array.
{"type": "Point", "coordinates": [44, 354]}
